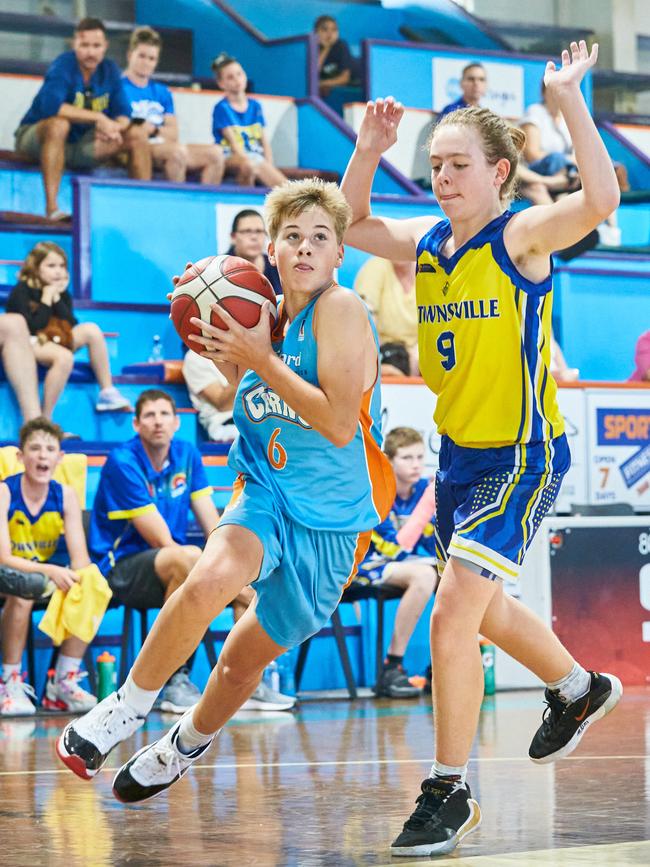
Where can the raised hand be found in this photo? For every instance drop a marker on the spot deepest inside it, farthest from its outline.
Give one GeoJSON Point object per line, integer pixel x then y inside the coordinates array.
{"type": "Point", "coordinates": [574, 66]}
{"type": "Point", "coordinates": [378, 129]}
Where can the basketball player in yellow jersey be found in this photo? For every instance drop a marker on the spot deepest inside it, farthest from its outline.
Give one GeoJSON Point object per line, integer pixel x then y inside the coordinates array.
{"type": "Point", "coordinates": [484, 299]}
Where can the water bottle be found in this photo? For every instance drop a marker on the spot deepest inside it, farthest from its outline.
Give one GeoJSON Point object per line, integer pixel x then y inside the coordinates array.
{"type": "Point", "coordinates": [286, 664]}
{"type": "Point", "coordinates": [272, 676]}
{"type": "Point", "coordinates": [107, 676]}
{"type": "Point", "coordinates": [156, 350]}
{"type": "Point", "coordinates": [487, 657]}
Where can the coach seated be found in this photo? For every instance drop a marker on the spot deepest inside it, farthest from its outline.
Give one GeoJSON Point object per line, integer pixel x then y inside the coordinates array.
{"type": "Point", "coordinates": [139, 522]}
{"type": "Point", "coordinates": [80, 116]}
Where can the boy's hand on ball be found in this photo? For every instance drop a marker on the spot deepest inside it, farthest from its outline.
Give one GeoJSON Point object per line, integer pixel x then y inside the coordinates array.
{"type": "Point", "coordinates": [244, 347]}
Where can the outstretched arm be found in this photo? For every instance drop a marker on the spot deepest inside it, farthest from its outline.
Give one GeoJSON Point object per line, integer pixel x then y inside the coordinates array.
{"type": "Point", "coordinates": [541, 230]}
{"type": "Point", "coordinates": [381, 236]}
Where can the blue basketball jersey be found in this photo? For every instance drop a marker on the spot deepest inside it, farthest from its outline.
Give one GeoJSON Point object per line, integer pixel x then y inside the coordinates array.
{"type": "Point", "coordinates": [317, 484]}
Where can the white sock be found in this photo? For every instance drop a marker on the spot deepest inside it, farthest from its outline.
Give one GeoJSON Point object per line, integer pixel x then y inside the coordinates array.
{"type": "Point", "coordinates": [440, 770]}
{"type": "Point", "coordinates": [64, 665]}
{"type": "Point", "coordinates": [8, 669]}
{"type": "Point", "coordinates": [572, 687]}
{"type": "Point", "coordinates": [139, 700]}
{"type": "Point", "coordinates": [189, 738]}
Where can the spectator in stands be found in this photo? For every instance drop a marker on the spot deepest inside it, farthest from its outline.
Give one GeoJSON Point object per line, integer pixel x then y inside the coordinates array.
{"type": "Point", "coordinates": [19, 363]}
{"type": "Point", "coordinates": [80, 116]}
{"type": "Point", "coordinates": [336, 66]}
{"type": "Point", "coordinates": [41, 296]}
{"type": "Point", "coordinates": [642, 359]}
{"type": "Point", "coordinates": [388, 288]}
{"type": "Point", "coordinates": [238, 126]}
{"type": "Point", "coordinates": [152, 106]}
{"type": "Point", "coordinates": [211, 395]}
{"type": "Point", "coordinates": [410, 566]}
{"type": "Point", "coordinates": [249, 241]}
{"type": "Point", "coordinates": [35, 511]}
{"type": "Point", "coordinates": [139, 524]}
{"type": "Point", "coordinates": [548, 152]}
{"type": "Point", "coordinates": [473, 84]}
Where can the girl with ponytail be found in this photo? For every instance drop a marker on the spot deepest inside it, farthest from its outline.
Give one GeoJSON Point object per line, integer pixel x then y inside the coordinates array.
{"type": "Point", "coordinates": [484, 297]}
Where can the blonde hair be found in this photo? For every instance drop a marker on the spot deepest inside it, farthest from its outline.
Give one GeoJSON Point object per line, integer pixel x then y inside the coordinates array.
{"type": "Point", "coordinates": [29, 272]}
{"type": "Point", "coordinates": [145, 36]}
{"type": "Point", "coordinates": [499, 140]}
{"type": "Point", "coordinates": [294, 197]}
{"type": "Point", "coordinates": [399, 438]}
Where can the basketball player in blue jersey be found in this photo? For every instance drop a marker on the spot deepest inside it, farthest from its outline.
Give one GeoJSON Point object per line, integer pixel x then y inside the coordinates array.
{"type": "Point", "coordinates": [312, 484]}
{"type": "Point", "coordinates": [484, 297]}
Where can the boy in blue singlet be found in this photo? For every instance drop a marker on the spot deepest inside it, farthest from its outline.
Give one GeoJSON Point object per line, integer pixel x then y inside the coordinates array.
{"type": "Point", "coordinates": [35, 511]}
{"type": "Point", "coordinates": [409, 565]}
{"type": "Point", "coordinates": [312, 483]}
{"type": "Point", "coordinates": [238, 126]}
{"type": "Point", "coordinates": [484, 296]}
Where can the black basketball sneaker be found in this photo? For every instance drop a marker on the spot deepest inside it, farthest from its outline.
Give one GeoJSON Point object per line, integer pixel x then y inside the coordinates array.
{"type": "Point", "coordinates": [154, 768]}
{"type": "Point", "coordinates": [445, 814]}
{"type": "Point", "coordinates": [563, 725]}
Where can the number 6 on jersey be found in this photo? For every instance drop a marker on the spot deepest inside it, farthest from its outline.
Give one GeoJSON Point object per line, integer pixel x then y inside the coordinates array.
{"type": "Point", "coordinates": [276, 452]}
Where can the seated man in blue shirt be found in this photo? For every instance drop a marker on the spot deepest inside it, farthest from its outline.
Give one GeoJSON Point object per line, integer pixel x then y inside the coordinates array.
{"type": "Point", "coordinates": [151, 104]}
{"type": "Point", "coordinates": [473, 83]}
{"type": "Point", "coordinates": [401, 557]}
{"type": "Point", "coordinates": [138, 527]}
{"type": "Point", "coordinates": [238, 126]}
{"type": "Point", "coordinates": [80, 116]}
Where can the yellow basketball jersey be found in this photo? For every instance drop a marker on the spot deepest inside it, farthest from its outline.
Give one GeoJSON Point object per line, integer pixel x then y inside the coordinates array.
{"type": "Point", "coordinates": [34, 537]}
{"type": "Point", "coordinates": [484, 341]}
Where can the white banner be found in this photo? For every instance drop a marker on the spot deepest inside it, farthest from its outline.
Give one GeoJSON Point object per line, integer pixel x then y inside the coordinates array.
{"type": "Point", "coordinates": [619, 446]}
{"type": "Point", "coordinates": [505, 92]}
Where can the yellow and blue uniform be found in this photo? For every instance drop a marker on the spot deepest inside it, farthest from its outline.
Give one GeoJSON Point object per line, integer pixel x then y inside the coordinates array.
{"type": "Point", "coordinates": [484, 348]}
{"type": "Point", "coordinates": [34, 537]}
{"type": "Point", "coordinates": [384, 546]}
{"type": "Point", "coordinates": [130, 486]}
{"type": "Point", "coordinates": [311, 504]}
{"type": "Point", "coordinates": [247, 125]}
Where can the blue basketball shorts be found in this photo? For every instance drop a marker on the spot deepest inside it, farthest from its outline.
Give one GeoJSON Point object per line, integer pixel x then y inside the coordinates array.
{"type": "Point", "coordinates": [490, 502]}
{"type": "Point", "coordinates": [304, 571]}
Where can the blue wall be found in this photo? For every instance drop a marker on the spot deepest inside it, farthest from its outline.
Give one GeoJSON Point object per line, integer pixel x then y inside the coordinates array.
{"type": "Point", "coordinates": [279, 69]}
{"type": "Point", "coordinates": [638, 170]}
{"type": "Point", "coordinates": [414, 84]}
{"type": "Point", "coordinates": [602, 314]}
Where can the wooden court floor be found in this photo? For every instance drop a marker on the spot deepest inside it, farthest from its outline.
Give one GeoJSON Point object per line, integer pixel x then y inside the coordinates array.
{"type": "Point", "coordinates": [329, 786]}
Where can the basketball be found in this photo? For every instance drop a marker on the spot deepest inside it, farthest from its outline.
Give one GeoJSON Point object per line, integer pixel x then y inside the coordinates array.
{"type": "Point", "coordinates": [231, 282]}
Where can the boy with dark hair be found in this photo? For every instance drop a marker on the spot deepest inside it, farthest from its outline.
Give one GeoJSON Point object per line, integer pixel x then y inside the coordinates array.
{"type": "Point", "coordinates": [80, 116]}
{"type": "Point", "coordinates": [238, 126]}
{"type": "Point", "coordinates": [394, 560]}
{"type": "Point", "coordinates": [35, 511]}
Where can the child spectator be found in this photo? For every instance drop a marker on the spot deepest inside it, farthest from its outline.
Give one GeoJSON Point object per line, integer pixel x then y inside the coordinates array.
{"type": "Point", "coordinates": [42, 297]}
{"type": "Point", "coordinates": [388, 288]}
{"type": "Point", "coordinates": [473, 83]}
{"type": "Point", "coordinates": [211, 395]}
{"type": "Point", "coordinates": [19, 364]}
{"type": "Point", "coordinates": [411, 568]}
{"type": "Point", "coordinates": [152, 106]}
{"type": "Point", "coordinates": [336, 66]}
{"type": "Point", "coordinates": [80, 116]}
{"type": "Point", "coordinates": [35, 511]}
{"type": "Point", "coordinates": [249, 241]}
{"type": "Point", "coordinates": [238, 126]}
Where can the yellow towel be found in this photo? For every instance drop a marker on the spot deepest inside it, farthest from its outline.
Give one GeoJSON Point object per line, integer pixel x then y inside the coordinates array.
{"type": "Point", "coordinates": [79, 611]}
